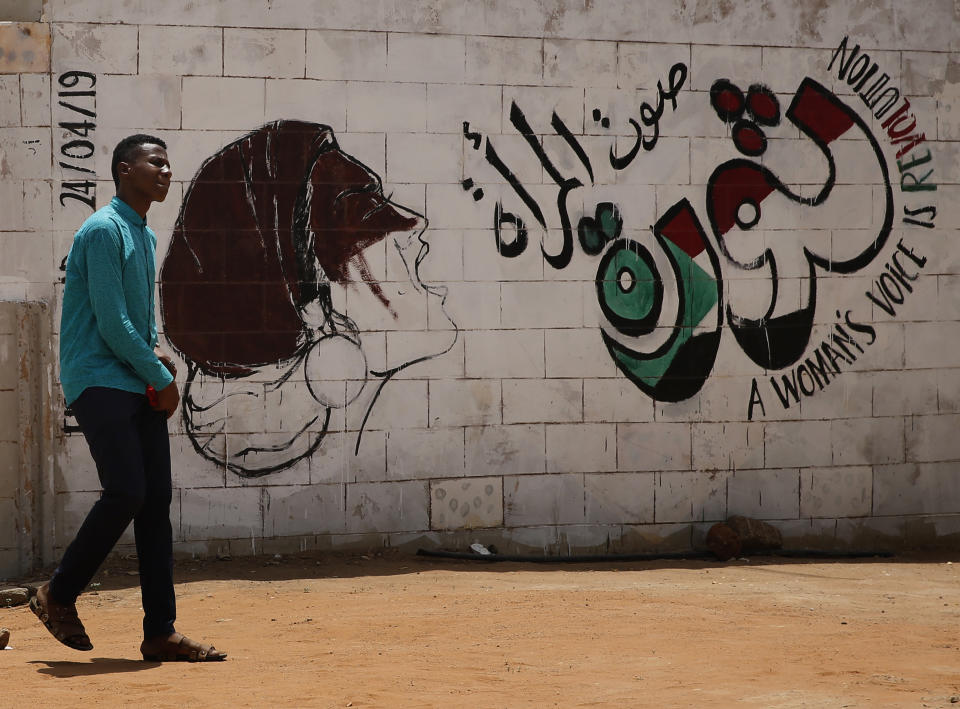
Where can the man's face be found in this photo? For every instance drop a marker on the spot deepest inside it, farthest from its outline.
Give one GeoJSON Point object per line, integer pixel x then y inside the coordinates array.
{"type": "Point", "coordinates": [148, 173]}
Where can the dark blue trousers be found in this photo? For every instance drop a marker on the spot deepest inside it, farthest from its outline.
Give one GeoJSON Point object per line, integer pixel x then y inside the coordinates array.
{"type": "Point", "coordinates": [130, 445]}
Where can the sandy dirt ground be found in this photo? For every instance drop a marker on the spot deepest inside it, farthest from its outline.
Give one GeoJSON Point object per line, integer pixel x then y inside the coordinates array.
{"type": "Point", "coordinates": [406, 631]}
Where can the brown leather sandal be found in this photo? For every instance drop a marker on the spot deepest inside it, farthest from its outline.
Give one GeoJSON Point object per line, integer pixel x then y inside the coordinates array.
{"type": "Point", "coordinates": [62, 621]}
{"type": "Point", "coordinates": [179, 648]}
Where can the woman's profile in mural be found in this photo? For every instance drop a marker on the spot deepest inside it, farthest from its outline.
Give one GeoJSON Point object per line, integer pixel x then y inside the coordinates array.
{"type": "Point", "coordinates": [275, 235]}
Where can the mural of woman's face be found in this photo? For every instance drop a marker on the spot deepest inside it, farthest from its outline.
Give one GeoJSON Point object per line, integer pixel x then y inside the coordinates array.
{"type": "Point", "coordinates": [371, 250]}
{"type": "Point", "coordinates": [286, 266]}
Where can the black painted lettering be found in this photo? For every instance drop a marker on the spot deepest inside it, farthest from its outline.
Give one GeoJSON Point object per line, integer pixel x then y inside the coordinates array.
{"type": "Point", "coordinates": [862, 328]}
{"type": "Point", "coordinates": [867, 96]}
{"type": "Point", "coordinates": [69, 79]}
{"type": "Point", "coordinates": [931, 210]}
{"type": "Point", "coordinates": [78, 149]}
{"type": "Point", "coordinates": [856, 71]}
{"type": "Point", "coordinates": [842, 339]}
{"type": "Point", "coordinates": [845, 63]}
{"type": "Point", "coordinates": [885, 304]}
{"type": "Point", "coordinates": [90, 201]}
{"type": "Point", "coordinates": [755, 398]}
{"type": "Point", "coordinates": [894, 96]}
{"type": "Point", "coordinates": [897, 115]}
{"type": "Point", "coordinates": [921, 261]}
{"type": "Point", "coordinates": [650, 117]}
{"type": "Point", "coordinates": [891, 288]}
{"type": "Point", "coordinates": [81, 128]}
{"type": "Point", "coordinates": [675, 79]}
{"type": "Point", "coordinates": [927, 225]}
{"type": "Point", "coordinates": [896, 268]}
{"type": "Point", "coordinates": [789, 389]}
{"type": "Point", "coordinates": [833, 354]}
{"type": "Point", "coordinates": [515, 246]}
{"type": "Point", "coordinates": [80, 87]}
{"type": "Point", "coordinates": [873, 70]}
{"type": "Point", "coordinates": [78, 168]}
{"type": "Point", "coordinates": [818, 369]}
{"type": "Point", "coordinates": [85, 186]}
{"type": "Point", "coordinates": [806, 390]}
{"type": "Point", "coordinates": [890, 285]}
{"type": "Point", "coordinates": [81, 111]}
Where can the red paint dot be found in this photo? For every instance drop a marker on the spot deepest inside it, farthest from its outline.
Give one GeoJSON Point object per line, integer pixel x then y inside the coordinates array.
{"type": "Point", "coordinates": [729, 101]}
{"type": "Point", "coordinates": [764, 106]}
{"type": "Point", "coordinates": [749, 139]}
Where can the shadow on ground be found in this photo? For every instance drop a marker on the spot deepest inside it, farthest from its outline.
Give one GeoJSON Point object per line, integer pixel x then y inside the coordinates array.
{"type": "Point", "coordinates": [93, 666]}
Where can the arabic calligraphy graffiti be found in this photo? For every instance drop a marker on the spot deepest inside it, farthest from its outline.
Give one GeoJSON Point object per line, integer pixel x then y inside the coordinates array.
{"type": "Point", "coordinates": [510, 248]}
{"type": "Point", "coordinates": [662, 301]}
{"type": "Point", "coordinates": [779, 338]}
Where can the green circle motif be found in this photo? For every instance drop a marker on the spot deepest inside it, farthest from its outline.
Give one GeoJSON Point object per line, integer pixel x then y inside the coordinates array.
{"type": "Point", "coordinates": [631, 302]}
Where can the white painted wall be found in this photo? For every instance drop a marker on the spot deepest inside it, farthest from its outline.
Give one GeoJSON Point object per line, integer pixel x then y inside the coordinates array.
{"type": "Point", "coordinates": [527, 423]}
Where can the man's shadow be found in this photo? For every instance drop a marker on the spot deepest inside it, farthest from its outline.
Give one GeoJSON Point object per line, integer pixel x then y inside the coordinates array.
{"type": "Point", "coordinates": [94, 666]}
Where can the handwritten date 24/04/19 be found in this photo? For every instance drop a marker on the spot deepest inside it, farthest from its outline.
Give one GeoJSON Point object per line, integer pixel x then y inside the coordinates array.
{"type": "Point", "coordinates": [78, 95]}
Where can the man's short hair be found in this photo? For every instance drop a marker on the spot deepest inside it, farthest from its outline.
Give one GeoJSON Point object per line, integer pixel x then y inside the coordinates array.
{"type": "Point", "coordinates": [126, 149]}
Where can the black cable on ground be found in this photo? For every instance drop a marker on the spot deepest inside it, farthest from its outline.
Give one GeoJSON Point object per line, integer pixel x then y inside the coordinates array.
{"type": "Point", "coordinates": [654, 556]}
{"type": "Point", "coordinates": [830, 554]}
{"type": "Point", "coordinates": [584, 558]}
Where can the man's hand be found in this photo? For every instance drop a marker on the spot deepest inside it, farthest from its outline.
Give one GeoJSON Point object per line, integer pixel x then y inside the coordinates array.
{"type": "Point", "coordinates": [168, 399]}
{"type": "Point", "coordinates": [166, 360]}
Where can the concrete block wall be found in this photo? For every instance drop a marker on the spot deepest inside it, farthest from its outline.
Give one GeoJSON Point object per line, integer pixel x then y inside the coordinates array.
{"type": "Point", "coordinates": [512, 406]}
{"type": "Point", "coordinates": [29, 438]}
{"type": "Point", "coordinates": [9, 449]}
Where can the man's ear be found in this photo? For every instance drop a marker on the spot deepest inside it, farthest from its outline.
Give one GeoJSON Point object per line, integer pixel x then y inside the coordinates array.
{"type": "Point", "coordinates": [123, 168]}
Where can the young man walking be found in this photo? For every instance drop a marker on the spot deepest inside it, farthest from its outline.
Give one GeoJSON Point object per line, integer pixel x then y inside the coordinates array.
{"type": "Point", "coordinates": [108, 359]}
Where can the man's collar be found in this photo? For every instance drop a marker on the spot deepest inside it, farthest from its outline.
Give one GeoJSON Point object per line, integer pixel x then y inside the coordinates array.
{"type": "Point", "coordinates": [127, 212]}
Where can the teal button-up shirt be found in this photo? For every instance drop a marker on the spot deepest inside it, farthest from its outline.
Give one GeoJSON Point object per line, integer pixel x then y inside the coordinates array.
{"type": "Point", "coordinates": [107, 328]}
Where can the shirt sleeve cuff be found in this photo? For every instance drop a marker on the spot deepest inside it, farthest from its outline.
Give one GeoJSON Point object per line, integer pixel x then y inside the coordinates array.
{"type": "Point", "coordinates": [164, 378]}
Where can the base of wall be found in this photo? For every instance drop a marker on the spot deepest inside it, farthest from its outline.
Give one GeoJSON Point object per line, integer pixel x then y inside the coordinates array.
{"type": "Point", "coordinates": [880, 534]}
{"type": "Point", "coordinates": [10, 563]}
